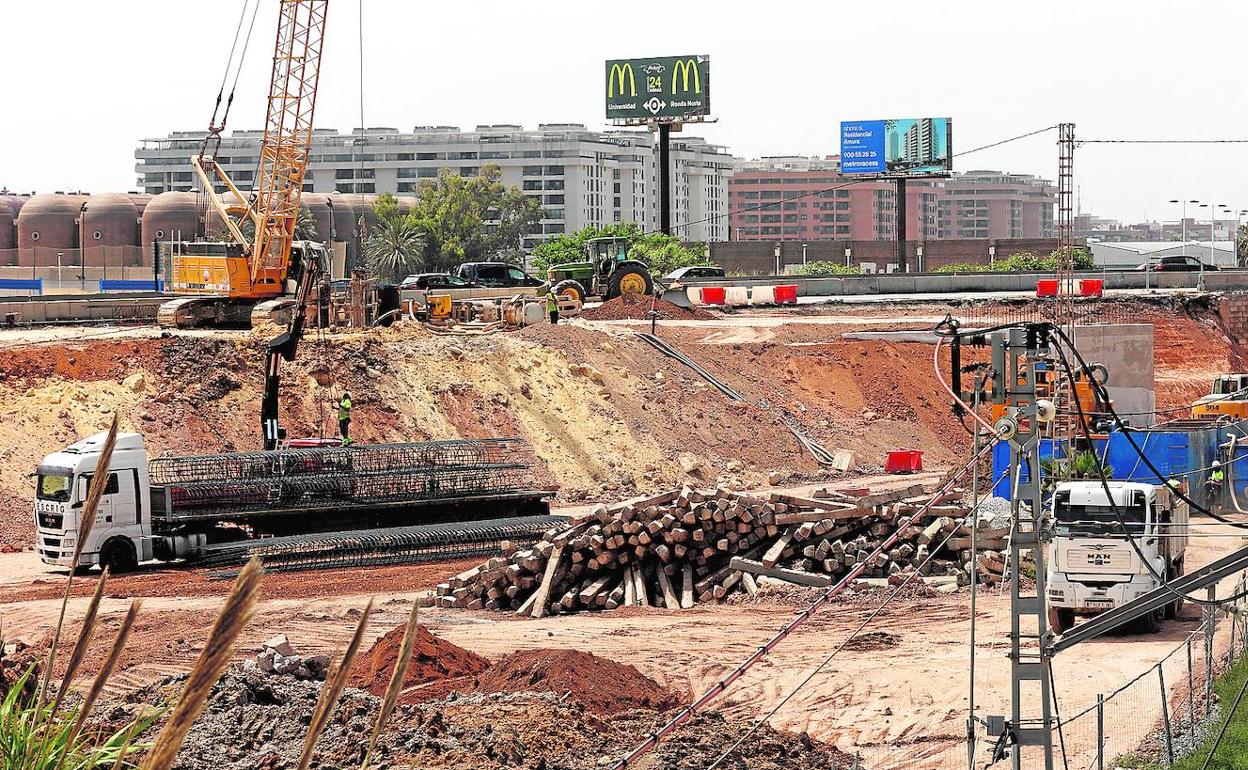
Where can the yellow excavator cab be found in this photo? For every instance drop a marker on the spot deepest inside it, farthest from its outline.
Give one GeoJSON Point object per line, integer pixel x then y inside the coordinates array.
{"type": "Point", "coordinates": [1228, 397]}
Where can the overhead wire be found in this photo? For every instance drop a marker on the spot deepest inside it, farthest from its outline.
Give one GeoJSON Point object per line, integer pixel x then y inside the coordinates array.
{"type": "Point", "coordinates": [801, 617]}
{"type": "Point", "coordinates": [852, 635]}
{"type": "Point", "coordinates": [776, 203]}
{"type": "Point", "coordinates": [1163, 581]}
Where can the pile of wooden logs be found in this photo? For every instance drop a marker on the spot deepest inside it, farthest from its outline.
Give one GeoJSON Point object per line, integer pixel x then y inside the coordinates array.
{"type": "Point", "coordinates": [688, 545]}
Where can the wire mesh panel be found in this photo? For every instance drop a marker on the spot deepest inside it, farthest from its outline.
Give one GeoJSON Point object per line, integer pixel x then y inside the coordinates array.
{"type": "Point", "coordinates": [394, 545]}
{"type": "Point", "coordinates": [206, 486]}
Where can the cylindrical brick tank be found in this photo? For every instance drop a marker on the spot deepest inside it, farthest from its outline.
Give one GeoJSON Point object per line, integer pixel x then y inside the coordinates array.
{"type": "Point", "coordinates": [317, 204]}
{"type": "Point", "coordinates": [110, 231]}
{"type": "Point", "coordinates": [48, 224]}
{"type": "Point", "coordinates": [170, 216]}
{"type": "Point", "coordinates": [363, 205]}
{"type": "Point", "coordinates": [140, 201]}
{"type": "Point", "coordinates": [8, 234]}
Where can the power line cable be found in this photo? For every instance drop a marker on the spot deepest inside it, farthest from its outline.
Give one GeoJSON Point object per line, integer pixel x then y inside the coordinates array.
{"type": "Point", "coordinates": [684, 714]}
{"type": "Point", "coordinates": [1161, 141]}
{"type": "Point", "coordinates": [866, 621]}
{"type": "Point", "coordinates": [1113, 506]}
{"type": "Point", "coordinates": [776, 203]}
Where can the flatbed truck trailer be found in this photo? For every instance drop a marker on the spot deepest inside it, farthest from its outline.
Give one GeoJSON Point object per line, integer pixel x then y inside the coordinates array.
{"type": "Point", "coordinates": [171, 508]}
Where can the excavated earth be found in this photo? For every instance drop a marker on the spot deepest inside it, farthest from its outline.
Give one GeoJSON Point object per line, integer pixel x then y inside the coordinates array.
{"type": "Point", "coordinates": [608, 418]}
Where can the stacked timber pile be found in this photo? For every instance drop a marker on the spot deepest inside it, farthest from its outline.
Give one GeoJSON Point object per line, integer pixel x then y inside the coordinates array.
{"type": "Point", "coordinates": [689, 545]}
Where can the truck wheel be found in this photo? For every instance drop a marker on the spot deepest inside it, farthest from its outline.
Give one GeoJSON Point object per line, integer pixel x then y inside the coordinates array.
{"type": "Point", "coordinates": [1152, 622]}
{"type": "Point", "coordinates": [1176, 609]}
{"type": "Point", "coordinates": [630, 280]}
{"type": "Point", "coordinates": [570, 289]}
{"type": "Point", "coordinates": [1061, 619]}
{"type": "Point", "coordinates": [118, 556]}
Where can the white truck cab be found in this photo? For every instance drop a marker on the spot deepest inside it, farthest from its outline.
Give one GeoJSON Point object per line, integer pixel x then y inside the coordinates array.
{"type": "Point", "coordinates": [120, 537]}
{"type": "Point", "coordinates": [1092, 566]}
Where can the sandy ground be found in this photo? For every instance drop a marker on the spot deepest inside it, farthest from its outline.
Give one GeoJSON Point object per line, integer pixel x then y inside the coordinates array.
{"type": "Point", "coordinates": [901, 704]}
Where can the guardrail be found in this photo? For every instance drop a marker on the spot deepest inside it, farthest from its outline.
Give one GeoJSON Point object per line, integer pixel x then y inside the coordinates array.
{"type": "Point", "coordinates": [958, 283]}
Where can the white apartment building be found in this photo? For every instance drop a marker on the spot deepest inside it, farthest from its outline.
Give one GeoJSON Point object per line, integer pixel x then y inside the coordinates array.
{"type": "Point", "coordinates": [580, 177]}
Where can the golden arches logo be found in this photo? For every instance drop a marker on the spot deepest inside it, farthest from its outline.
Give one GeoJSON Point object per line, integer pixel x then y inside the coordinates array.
{"type": "Point", "coordinates": [617, 75]}
{"type": "Point", "coordinates": [682, 69]}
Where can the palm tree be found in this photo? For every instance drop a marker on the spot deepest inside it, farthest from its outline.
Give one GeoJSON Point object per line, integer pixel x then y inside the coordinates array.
{"type": "Point", "coordinates": [395, 248]}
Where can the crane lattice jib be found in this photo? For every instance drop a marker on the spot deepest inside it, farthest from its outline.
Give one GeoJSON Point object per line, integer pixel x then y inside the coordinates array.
{"type": "Point", "coordinates": [287, 136]}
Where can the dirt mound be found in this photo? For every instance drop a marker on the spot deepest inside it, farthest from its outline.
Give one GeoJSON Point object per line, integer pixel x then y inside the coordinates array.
{"type": "Point", "coordinates": [873, 640]}
{"type": "Point", "coordinates": [432, 660]}
{"type": "Point", "coordinates": [637, 307]}
{"type": "Point", "coordinates": [602, 685]}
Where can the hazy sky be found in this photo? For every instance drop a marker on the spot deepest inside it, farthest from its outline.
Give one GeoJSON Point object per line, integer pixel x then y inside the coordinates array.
{"type": "Point", "coordinates": [84, 81]}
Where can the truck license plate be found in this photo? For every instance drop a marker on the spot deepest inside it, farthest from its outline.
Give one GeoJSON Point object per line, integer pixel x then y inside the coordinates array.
{"type": "Point", "coordinates": [1100, 604]}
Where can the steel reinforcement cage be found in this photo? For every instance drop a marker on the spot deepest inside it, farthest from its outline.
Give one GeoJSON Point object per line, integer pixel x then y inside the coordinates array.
{"type": "Point", "coordinates": [335, 477]}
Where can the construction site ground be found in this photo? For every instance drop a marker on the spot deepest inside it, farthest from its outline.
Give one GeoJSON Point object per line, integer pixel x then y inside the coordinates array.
{"type": "Point", "coordinates": [609, 419]}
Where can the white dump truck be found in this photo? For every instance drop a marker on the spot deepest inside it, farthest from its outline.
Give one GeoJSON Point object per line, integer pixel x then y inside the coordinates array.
{"type": "Point", "coordinates": [1092, 566]}
{"type": "Point", "coordinates": [182, 507]}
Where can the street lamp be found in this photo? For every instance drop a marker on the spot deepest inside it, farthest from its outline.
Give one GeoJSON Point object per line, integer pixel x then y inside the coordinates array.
{"type": "Point", "coordinates": [1183, 223]}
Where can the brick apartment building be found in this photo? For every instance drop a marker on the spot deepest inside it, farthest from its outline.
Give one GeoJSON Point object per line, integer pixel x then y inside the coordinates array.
{"type": "Point", "coordinates": [972, 204]}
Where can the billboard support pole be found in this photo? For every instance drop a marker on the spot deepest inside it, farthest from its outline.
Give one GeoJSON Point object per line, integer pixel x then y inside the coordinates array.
{"type": "Point", "coordinates": [665, 178]}
{"type": "Point", "coordinates": [902, 265]}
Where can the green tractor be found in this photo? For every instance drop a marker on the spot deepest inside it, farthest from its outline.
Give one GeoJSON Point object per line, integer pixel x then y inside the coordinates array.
{"type": "Point", "coordinates": [607, 272]}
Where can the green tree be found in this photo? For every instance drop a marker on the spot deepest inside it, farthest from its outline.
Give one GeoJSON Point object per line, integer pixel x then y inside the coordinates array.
{"type": "Point", "coordinates": [1241, 246]}
{"type": "Point", "coordinates": [472, 219]}
{"type": "Point", "coordinates": [662, 253]}
{"type": "Point", "coordinates": [396, 248]}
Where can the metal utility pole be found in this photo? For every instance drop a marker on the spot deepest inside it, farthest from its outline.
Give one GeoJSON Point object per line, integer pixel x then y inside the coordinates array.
{"type": "Point", "coordinates": [665, 178]}
{"type": "Point", "coordinates": [1064, 311]}
{"type": "Point", "coordinates": [901, 225]}
{"type": "Point", "coordinates": [1014, 358]}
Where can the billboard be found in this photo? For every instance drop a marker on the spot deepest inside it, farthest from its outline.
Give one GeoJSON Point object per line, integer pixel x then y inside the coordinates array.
{"type": "Point", "coordinates": [671, 88]}
{"type": "Point", "coordinates": [913, 146]}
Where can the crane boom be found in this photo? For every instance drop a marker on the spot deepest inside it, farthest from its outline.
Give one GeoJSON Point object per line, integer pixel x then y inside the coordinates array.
{"type": "Point", "coordinates": [287, 135]}
{"type": "Point", "coordinates": [225, 282]}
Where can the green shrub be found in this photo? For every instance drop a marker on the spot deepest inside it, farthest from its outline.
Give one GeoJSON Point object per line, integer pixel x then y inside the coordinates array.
{"type": "Point", "coordinates": [35, 738]}
{"type": "Point", "coordinates": [817, 269]}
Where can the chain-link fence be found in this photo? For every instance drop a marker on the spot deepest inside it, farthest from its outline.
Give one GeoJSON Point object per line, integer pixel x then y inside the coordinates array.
{"type": "Point", "coordinates": [1161, 713]}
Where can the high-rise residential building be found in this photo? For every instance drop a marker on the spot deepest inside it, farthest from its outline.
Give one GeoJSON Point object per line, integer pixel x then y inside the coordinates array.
{"type": "Point", "coordinates": [580, 177]}
{"type": "Point", "coordinates": [995, 204]}
{"type": "Point", "coordinates": [793, 197]}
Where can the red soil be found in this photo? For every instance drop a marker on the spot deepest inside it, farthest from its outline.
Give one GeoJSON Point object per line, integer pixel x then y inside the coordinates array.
{"type": "Point", "coordinates": [602, 685]}
{"type": "Point", "coordinates": [636, 306]}
{"type": "Point", "coordinates": [432, 660]}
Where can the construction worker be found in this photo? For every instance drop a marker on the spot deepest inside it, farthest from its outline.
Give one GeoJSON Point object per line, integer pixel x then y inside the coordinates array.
{"type": "Point", "coordinates": [1216, 477]}
{"type": "Point", "coordinates": [344, 418]}
{"type": "Point", "coordinates": [552, 307]}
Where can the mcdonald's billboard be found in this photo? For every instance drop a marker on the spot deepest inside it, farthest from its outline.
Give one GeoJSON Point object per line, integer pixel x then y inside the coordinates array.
{"type": "Point", "coordinates": [667, 87]}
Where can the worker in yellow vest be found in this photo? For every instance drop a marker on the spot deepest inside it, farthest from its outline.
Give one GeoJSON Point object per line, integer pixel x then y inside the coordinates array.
{"type": "Point", "coordinates": [552, 307]}
{"type": "Point", "coordinates": [344, 418]}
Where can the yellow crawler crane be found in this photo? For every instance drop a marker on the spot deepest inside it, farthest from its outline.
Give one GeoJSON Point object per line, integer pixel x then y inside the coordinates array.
{"type": "Point", "coordinates": [253, 275]}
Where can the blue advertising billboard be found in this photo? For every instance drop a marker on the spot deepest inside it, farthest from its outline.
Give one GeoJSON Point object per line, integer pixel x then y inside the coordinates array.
{"type": "Point", "coordinates": [905, 147]}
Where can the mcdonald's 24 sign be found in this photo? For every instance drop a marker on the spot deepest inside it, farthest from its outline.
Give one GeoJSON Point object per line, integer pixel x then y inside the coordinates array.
{"type": "Point", "coordinates": [666, 87]}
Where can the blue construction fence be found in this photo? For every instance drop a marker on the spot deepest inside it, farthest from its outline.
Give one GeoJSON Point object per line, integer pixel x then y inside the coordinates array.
{"type": "Point", "coordinates": [131, 285]}
{"type": "Point", "coordinates": [33, 285]}
{"type": "Point", "coordinates": [1184, 451]}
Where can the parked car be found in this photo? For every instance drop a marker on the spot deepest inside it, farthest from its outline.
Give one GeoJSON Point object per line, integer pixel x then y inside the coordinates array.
{"type": "Point", "coordinates": [434, 281]}
{"type": "Point", "coordinates": [1176, 264]}
{"type": "Point", "coordinates": [696, 271]}
{"type": "Point", "coordinates": [496, 275]}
